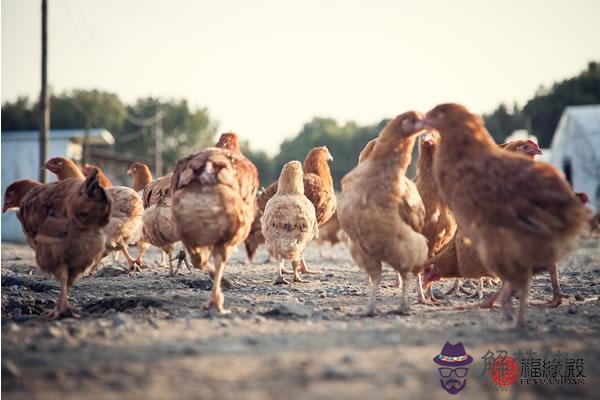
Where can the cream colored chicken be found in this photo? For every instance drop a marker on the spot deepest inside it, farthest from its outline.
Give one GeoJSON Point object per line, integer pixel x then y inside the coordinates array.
{"type": "Point", "coordinates": [381, 209]}
{"type": "Point", "coordinates": [289, 221]}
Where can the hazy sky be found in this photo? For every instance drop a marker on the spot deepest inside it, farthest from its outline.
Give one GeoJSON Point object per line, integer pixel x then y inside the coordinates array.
{"type": "Point", "coordinates": [263, 68]}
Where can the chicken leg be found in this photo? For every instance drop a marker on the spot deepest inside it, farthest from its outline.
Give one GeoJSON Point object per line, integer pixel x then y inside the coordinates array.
{"type": "Point", "coordinates": [181, 257]}
{"type": "Point", "coordinates": [304, 268]}
{"type": "Point", "coordinates": [398, 283]}
{"type": "Point", "coordinates": [421, 293]}
{"type": "Point", "coordinates": [216, 298]}
{"type": "Point", "coordinates": [295, 265]}
{"type": "Point", "coordinates": [62, 308]}
{"type": "Point", "coordinates": [279, 279]}
{"type": "Point", "coordinates": [133, 266]}
{"type": "Point", "coordinates": [458, 288]}
{"type": "Point", "coordinates": [375, 280]}
{"type": "Point", "coordinates": [557, 294]}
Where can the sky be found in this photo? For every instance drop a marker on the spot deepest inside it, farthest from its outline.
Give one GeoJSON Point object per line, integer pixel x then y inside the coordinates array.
{"type": "Point", "coordinates": [264, 68]}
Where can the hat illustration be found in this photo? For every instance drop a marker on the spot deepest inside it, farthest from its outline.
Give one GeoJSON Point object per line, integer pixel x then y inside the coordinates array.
{"type": "Point", "coordinates": [453, 355]}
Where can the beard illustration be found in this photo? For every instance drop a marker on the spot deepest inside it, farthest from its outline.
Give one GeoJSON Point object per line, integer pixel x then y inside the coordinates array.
{"type": "Point", "coordinates": [453, 386]}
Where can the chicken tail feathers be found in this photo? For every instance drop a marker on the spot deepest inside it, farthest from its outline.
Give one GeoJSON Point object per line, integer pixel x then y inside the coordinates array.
{"type": "Point", "coordinates": [93, 189]}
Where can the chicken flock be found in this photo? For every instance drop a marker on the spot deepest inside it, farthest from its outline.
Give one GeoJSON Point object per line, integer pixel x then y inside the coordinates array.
{"type": "Point", "coordinates": [476, 210]}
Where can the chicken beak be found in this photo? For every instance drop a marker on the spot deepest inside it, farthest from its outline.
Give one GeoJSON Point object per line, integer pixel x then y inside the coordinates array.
{"type": "Point", "coordinates": [5, 208]}
{"type": "Point", "coordinates": [427, 138]}
{"type": "Point", "coordinates": [536, 152]}
{"type": "Point", "coordinates": [129, 172]}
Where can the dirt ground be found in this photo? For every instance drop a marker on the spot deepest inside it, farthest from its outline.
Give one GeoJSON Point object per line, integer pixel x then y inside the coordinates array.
{"type": "Point", "coordinates": [147, 336]}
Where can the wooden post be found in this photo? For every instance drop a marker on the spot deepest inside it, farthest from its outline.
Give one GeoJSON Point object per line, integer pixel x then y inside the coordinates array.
{"type": "Point", "coordinates": [44, 122]}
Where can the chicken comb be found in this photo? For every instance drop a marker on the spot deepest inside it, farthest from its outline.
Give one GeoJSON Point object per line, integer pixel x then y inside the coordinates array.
{"type": "Point", "coordinates": [531, 142]}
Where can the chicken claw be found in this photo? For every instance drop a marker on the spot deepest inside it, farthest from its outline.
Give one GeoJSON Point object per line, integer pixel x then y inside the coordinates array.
{"type": "Point", "coordinates": [181, 257]}
{"type": "Point", "coordinates": [216, 302]}
{"type": "Point", "coordinates": [280, 280]}
{"type": "Point", "coordinates": [60, 311]}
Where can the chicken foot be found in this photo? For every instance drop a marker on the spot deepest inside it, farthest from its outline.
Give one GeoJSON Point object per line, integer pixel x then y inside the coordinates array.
{"type": "Point", "coordinates": [133, 266]}
{"type": "Point", "coordinates": [421, 293]}
{"type": "Point", "coordinates": [279, 279]}
{"type": "Point", "coordinates": [216, 298]}
{"type": "Point", "coordinates": [375, 280]}
{"type": "Point", "coordinates": [62, 308]}
{"type": "Point", "coordinates": [142, 247]}
{"type": "Point", "coordinates": [523, 292]}
{"type": "Point", "coordinates": [557, 294]}
{"type": "Point", "coordinates": [458, 288]}
{"type": "Point", "coordinates": [478, 293]}
{"type": "Point", "coordinates": [295, 265]}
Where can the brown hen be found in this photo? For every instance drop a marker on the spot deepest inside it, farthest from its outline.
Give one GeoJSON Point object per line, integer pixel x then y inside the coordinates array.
{"type": "Point", "coordinates": [519, 214]}
{"type": "Point", "coordinates": [65, 222]}
{"type": "Point", "coordinates": [214, 194]}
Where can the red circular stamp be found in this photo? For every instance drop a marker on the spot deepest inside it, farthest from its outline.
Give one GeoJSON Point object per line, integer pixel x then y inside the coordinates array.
{"type": "Point", "coordinates": [504, 371]}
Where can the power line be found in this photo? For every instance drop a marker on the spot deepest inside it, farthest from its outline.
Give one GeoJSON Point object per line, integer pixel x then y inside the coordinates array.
{"type": "Point", "coordinates": [141, 122]}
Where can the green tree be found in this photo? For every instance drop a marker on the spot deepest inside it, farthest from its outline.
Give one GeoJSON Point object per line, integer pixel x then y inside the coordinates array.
{"type": "Point", "coordinates": [546, 107]}
{"type": "Point", "coordinates": [502, 122]}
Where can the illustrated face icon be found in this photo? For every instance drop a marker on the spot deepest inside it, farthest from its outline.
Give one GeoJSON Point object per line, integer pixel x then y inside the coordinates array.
{"type": "Point", "coordinates": [452, 366]}
{"type": "Point", "coordinates": [453, 380]}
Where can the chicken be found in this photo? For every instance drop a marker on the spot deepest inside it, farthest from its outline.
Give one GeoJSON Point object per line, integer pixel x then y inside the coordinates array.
{"type": "Point", "coordinates": [458, 259]}
{"type": "Point", "coordinates": [255, 237]}
{"type": "Point", "coordinates": [289, 220]}
{"type": "Point", "coordinates": [102, 178]}
{"type": "Point", "coordinates": [440, 225]}
{"type": "Point", "coordinates": [13, 196]}
{"type": "Point", "coordinates": [381, 210]}
{"type": "Point", "coordinates": [65, 220]}
{"type": "Point", "coordinates": [125, 226]}
{"type": "Point", "coordinates": [215, 189]}
{"type": "Point", "coordinates": [141, 176]}
{"type": "Point", "coordinates": [318, 187]}
{"type": "Point", "coordinates": [526, 147]}
{"type": "Point", "coordinates": [471, 266]}
{"type": "Point", "coordinates": [468, 264]}
{"type": "Point", "coordinates": [519, 214]}
{"type": "Point", "coordinates": [331, 232]}
{"type": "Point", "coordinates": [14, 193]}
{"type": "Point", "coordinates": [158, 228]}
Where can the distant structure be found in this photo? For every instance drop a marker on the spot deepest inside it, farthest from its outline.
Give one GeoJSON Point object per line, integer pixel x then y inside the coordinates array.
{"type": "Point", "coordinates": [521, 134]}
{"type": "Point", "coordinates": [20, 160]}
{"type": "Point", "coordinates": [576, 149]}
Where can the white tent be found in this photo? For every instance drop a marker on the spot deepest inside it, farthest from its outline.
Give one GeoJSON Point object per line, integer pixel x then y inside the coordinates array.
{"type": "Point", "coordinates": [576, 149]}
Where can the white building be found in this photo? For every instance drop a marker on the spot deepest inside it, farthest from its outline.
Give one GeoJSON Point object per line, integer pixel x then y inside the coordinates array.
{"type": "Point", "coordinates": [576, 150]}
{"type": "Point", "coordinates": [20, 160]}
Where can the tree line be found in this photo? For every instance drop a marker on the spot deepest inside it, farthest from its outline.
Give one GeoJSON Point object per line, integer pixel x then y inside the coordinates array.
{"type": "Point", "coordinates": [187, 129]}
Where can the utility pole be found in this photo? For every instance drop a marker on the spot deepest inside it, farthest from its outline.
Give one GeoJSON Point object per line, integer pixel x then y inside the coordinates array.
{"type": "Point", "coordinates": [158, 143]}
{"type": "Point", "coordinates": [44, 123]}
